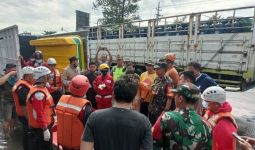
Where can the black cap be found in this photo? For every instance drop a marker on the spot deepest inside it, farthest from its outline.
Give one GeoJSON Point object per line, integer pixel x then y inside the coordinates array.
{"type": "Point", "coordinates": [9, 66]}
{"type": "Point", "coordinates": [161, 65]}
{"type": "Point", "coordinates": [73, 58]}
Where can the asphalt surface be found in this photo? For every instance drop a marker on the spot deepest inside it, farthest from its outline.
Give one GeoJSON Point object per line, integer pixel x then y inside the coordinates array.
{"type": "Point", "coordinates": [243, 104]}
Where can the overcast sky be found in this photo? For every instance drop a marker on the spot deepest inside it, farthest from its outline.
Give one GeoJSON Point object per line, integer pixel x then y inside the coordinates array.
{"type": "Point", "coordinates": [36, 15]}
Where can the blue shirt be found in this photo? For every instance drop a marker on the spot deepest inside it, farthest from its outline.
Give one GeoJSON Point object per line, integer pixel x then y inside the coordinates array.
{"type": "Point", "coordinates": [204, 81]}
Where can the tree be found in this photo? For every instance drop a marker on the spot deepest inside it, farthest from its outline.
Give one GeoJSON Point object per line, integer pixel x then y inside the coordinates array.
{"type": "Point", "coordinates": [117, 11]}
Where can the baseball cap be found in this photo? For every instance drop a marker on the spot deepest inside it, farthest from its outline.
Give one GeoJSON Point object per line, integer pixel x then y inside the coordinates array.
{"type": "Point", "coordinates": [189, 91]}
{"type": "Point", "coordinates": [149, 62]}
{"type": "Point", "coordinates": [161, 65]}
{"type": "Point", "coordinates": [119, 57]}
{"type": "Point", "coordinates": [9, 66]}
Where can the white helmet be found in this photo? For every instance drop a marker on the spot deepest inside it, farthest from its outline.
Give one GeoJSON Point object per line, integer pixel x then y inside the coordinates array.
{"type": "Point", "coordinates": [52, 61]}
{"type": "Point", "coordinates": [40, 72]}
{"type": "Point", "coordinates": [214, 94]}
{"type": "Point", "coordinates": [27, 70]}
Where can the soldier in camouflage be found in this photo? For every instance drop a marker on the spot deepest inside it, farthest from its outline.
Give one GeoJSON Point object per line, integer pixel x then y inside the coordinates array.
{"type": "Point", "coordinates": [162, 96]}
{"type": "Point", "coordinates": [183, 129]}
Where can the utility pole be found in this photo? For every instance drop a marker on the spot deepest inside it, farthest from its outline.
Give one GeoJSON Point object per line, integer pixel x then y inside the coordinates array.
{"type": "Point", "coordinates": [158, 13]}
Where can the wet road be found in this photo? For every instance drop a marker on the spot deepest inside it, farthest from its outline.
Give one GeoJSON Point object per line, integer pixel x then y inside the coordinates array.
{"type": "Point", "coordinates": [14, 142]}
{"type": "Point", "coordinates": [243, 104]}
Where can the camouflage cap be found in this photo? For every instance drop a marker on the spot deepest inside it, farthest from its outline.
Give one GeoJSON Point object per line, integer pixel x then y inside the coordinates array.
{"type": "Point", "coordinates": [149, 62]}
{"type": "Point", "coordinates": [188, 90]}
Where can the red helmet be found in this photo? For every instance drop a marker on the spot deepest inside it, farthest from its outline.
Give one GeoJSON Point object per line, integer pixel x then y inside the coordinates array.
{"type": "Point", "coordinates": [79, 85]}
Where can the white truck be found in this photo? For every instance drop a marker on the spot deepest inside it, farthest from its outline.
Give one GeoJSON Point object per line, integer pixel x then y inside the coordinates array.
{"type": "Point", "coordinates": [223, 45]}
{"type": "Point", "coordinates": [9, 48]}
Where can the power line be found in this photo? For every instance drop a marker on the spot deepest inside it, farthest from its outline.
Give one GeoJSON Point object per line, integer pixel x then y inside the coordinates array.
{"type": "Point", "coordinates": [196, 2]}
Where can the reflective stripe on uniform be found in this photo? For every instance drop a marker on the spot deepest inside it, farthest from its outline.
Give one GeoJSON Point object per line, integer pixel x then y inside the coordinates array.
{"type": "Point", "coordinates": [108, 96]}
{"type": "Point", "coordinates": [69, 106]}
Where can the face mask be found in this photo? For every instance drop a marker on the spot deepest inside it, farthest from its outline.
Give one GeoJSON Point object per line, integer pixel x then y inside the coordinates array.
{"type": "Point", "coordinates": [104, 72]}
{"type": "Point", "coordinates": [205, 104]}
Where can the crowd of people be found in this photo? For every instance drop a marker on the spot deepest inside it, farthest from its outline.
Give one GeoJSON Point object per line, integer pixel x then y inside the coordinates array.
{"type": "Point", "coordinates": [114, 108]}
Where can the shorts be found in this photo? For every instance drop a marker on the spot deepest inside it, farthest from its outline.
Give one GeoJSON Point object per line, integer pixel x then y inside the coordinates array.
{"type": "Point", "coordinates": [7, 110]}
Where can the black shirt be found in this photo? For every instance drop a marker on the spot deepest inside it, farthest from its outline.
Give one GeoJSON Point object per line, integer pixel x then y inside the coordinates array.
{"type": "Point", "coordinates": [91, 93]}
{"type": "Point", "coordinates": [22, 92]}
{"type": "Point", "coordinates": [118, 129]}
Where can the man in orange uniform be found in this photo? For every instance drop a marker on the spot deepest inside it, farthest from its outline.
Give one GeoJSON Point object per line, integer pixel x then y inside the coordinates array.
{"type": "Point", "coordinates": [103, 85]}
{"type": "Point", "coordinates": [146, 80]}
{"type": "Point", "coordinates": [72, 113]}
{"type": "Point", "coordinates": [171, 71]}
{"type": "Point", "coordinates": [55, 83]}
{"type": "Point", "coordinates": [19, 92]}
{"type": "Point", "coordinates": [39, 109]}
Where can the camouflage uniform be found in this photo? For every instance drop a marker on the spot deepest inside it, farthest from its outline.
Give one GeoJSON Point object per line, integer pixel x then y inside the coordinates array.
{"type": "Point", "coordinates": [183, 129]}
{"type": "Point", "coordinates": [161, 90]}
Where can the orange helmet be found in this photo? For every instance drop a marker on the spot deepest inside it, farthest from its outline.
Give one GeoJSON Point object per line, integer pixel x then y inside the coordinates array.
{"type": "Point", "coordinates": [79, 85]}
{"type": "Point", "coordinates": [170, 56]}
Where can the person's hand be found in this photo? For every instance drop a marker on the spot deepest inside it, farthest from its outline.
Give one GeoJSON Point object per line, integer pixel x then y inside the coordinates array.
{"type": "Point", "coordinates": [21, 57]}
{"type": "Point", "coordinates": [100, 87]}
{"type": "Point", "coordinates": [12, 73]}
{"type": "Point", "coordinates": [244, 145]}
{"type": "Point", "coordinates": [46, 135]}
{"type": "Point", "coordinates": [103, 85]}
{"type": "Point", "coordinates": [249, 139]}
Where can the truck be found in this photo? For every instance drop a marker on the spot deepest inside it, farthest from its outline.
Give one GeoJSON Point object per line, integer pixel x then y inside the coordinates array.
{"type": "Point", "coordinates": [222, 41]}
{"type": "Point", "coordinates": [9, 48]}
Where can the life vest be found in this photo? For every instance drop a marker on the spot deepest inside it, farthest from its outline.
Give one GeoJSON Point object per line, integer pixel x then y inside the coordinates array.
{"type": "Point", "coordinates": [56, 79]}
{"type": "Point", "coordinates": [145, 91]}
{"type": "Point", "coordinates": [70, 128]}
{"type": "Point", "coordinates": [47, 111]}
{"type": "Point", "coordinates": [117, 72]}
{"type": "Point", "coordinates": [214, 119]}
{"type": "Point", "coordinates": [19, 109]}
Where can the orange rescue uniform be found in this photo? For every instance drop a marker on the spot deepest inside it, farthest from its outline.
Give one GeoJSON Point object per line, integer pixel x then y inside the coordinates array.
{"type": "Point", "coordinates": [18, 107]}
{"type": "Point", "coordinates": [39, 114]}
{"type": "Point", "coordinates": [70, 127]}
